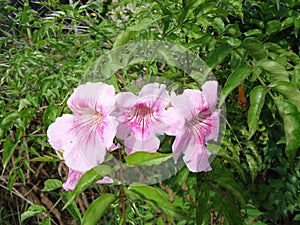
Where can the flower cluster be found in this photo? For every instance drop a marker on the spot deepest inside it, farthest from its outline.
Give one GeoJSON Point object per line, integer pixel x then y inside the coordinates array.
{"type": "Point", "coordinates": [99, 115]}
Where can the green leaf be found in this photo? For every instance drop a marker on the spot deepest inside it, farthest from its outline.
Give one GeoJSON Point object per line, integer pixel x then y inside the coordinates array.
{"type": "Point", "coordinates": [253, 167]}
{"type": "Point", "coordinates": [254, 48]}
{"type": "Point", "coordinates": [52, 184]}
{"type": "Point", "coordinates": [46, 221]}
{"type": "Point", "coordinates": [155, 196]}
{"type": "Point", "coordinates": [23, 103]}
{"type": "Point", "coordinates": [257, 100]}
{"type": "Point", "coordinates": [124, 38]}
{"type": "Point", "coordinates": [218, 55]}
{"type": "Point", "coordinates": [291, 121]}
{"type": "Point", "coordinates": [234, 80]}
{"type": "Point", "coordinates": [147, 158]}
{"type": "Point", "coordinates": [88, 179]}
{"type": "Point", "coordinates": [203, 205]}
{"type": "Point", "coordinates": [8, 151]}
{"type": "Point", "coordinates": [231, 212]}
{"type": "Point", "coordinates": [277, 71]}
{"type": "Point", "coordinates": [32, 211]}
{"type": "Point", "coordinates": [72, 208]}
{"type": "Point", "coordinates": [97, 209]}
{"type": "Point", "coordinates": [231, 186]}
{"type": "Point", "coordinates": [273, 26]}
{"type": "Point", "coordinates": [289, 92]}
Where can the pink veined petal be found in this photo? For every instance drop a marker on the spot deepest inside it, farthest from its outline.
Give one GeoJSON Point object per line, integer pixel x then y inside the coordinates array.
{"type": "Point", "coordinates": [214, 130]}
{"type": "Point", "coordinates": [210, 90]}
{"type": "Point", "coordinates": [184, 106]}
{"type": "Point", "coordinates": [181, 141]}
{"type": "Point", "coordinates": [134, 145]}
{"type": "Point", "coordinates": [73, 178]}
{"type": "Point", "coordinates": [196, 157]}
{"type": "Point", "coordinates": [107, 131]}
{"type": "Point", "coordinates": [198, 99]}
{"type": "Point", "coordinates": [126, 100]}
{"type": "Point", "coordinates": [169, 122]}
{"type": "Point", "coordinates": [86, 153]}
{"type": "Point", "coordinates": [89, 97]}
{"type": "Point", "coordinates": [60, 133]}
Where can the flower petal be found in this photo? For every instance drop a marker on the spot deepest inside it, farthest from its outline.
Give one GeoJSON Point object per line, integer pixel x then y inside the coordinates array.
{"type": "Point", "coordinates": [92, 97]}
{"type": "Point", "coordinates": [210, 90]}
{"type": "Point", "coordinates": [181, 141]}
{"type": "Point", "coordinates": [169, 122]}
{"type": "Point", "coordinates": [60, 133]}
{"type": "Point", "coordinates": [214, 129]}
{"type": "Point", "coordinates": [198, 99]}
{"type": "Point", "coordinates": [105, 180]}
{"type": "Point", "coordinates": [196, 158]}
{"type": "Point", "coordinates": [107, 131]}
{"type": "Point", "coordinates": [73, 178]}
{"type": "Point", "coordinates": [123, 131]}
{"type": "Point", "coordinates": [155, 90]}
{"type": "Point", "coordinates": [134, 145]}
{"type": "Point", "coordinates": [184, 106]}
{"type": "Point", "coordinates": [126, 100]}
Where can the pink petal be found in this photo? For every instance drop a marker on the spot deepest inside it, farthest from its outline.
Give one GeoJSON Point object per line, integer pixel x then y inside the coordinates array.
{"type": "Point", "coordinates": [181, 141]}
{"type": "Point", "coordinates": [92, 97]}
{"type": "Point", "coordinates": [184, 106]}
{"type": "Point", "coordinates": [107, 131]}
{"type": "Point", "coordinates": [126, 100]}
{"type": "Point", "coordinates": [60, 133]}
{"type": "Point", "coordinates": [169, 122]}
{"type": "Point", "coordinates": [87, 152]}
{"type": "Point", "coordinates": [105, 180]}
{"type": "Point", "coordinates": [210, 90]}
{"type": "Point", "coordinates": [73, 178]}
{"type": "Point", "coordinates": [154, 90]}
{"type": "Point", "coordinates": [123, 131]}
{"type": "Point", "coordinates": [214, 132]}
{"type": "Point", "coordinates": [198, 99]}
{"type": "Point", "coordinates": [196, 158]}
{"type": "Point", "coordinates": [134, 145]}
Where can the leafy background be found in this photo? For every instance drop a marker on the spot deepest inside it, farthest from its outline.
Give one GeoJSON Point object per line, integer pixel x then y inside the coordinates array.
{"type": "Point", "coordinates": [252, 47]}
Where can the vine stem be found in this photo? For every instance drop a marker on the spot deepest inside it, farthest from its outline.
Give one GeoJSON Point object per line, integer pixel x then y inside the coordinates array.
{"type": "Point", "coordinates": [122, 192]}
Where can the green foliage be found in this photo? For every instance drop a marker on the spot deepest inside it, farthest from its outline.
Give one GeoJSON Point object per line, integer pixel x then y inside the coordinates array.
{"type": "Point", "coordinates": [253, 44]}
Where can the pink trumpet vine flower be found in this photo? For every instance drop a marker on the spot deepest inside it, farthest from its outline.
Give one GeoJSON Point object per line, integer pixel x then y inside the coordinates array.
{"type": "Point", "coordinates": [201, 125]}
{"type": "Point", "coordinates": [143, 117]}
{"type": "Point", "coordinates": [84, 137]}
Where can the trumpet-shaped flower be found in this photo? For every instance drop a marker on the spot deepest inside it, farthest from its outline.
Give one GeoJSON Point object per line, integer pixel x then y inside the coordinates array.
{"type": "Point", "coordinates": [201, 125]}
{"type": "Point", "coordinates": [143, 117]}
{"type": "Point", "coordinates": [84, 137]}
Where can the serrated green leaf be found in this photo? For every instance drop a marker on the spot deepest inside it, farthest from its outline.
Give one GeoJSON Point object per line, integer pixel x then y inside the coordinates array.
{"type": "Point", "coordinates": [72, 208]}
{"type": "Point", "coordinates": [88, 179]}
{"type": "Point", "coordinates": [32, 211]}
{"type": "Point", "coordinates": [276, 71]}
{"type": "Point", "coordinates": [52, 184]}
{"type": "Point", "coordinates": [8, 151]}
{"type": "Point", "coordinates": [254, 48]}
{"type": "Point", "coordinates": [257, 101]}
{"type": "Point", "coordinates": [218, 55]}
{"type": "Point", "coordinates": [291, 122]}
{"type": "Point", "coordinates": [234, 80]}
{"type": "Point", "coordinates": [147, 158]}
{"type": "Point", "coordinates": [97, 209]}
{"type": "Point", "coordinates": [289, 92]}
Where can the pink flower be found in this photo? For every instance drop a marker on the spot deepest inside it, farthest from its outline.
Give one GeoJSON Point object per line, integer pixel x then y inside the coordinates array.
{"type": "Point", "coordinates": [143, 117]}
{"type": "Point", "coordinates": [74, 177]}
{"type": "Point", "coordinates": [84, 137]}
{"type": "Point", "coordinates": [201, 125]}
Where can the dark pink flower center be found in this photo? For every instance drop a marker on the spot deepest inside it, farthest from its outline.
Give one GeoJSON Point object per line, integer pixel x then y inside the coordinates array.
{"type": "Point", "coordinates": [201, 123]}
{"type": "Point", "coordinates": [141, 115]}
